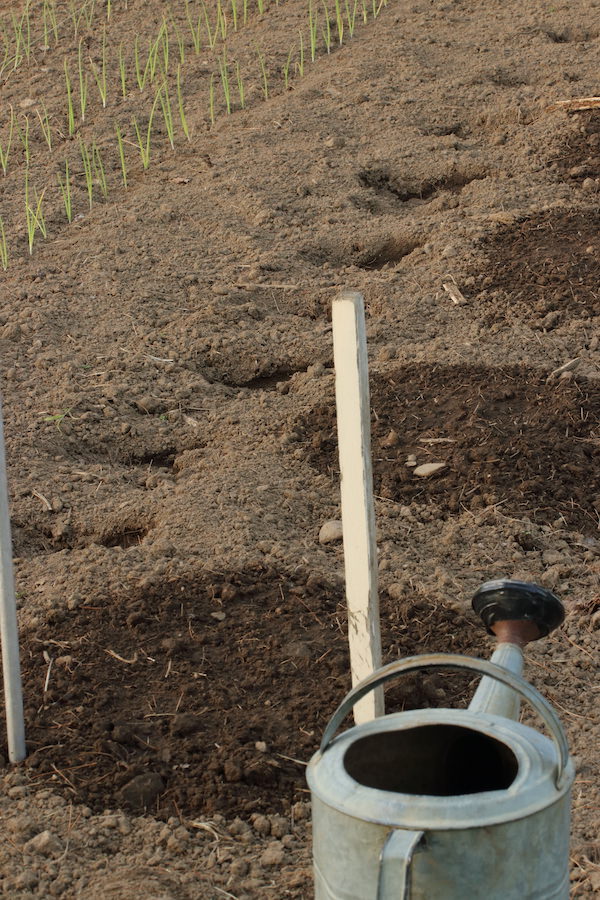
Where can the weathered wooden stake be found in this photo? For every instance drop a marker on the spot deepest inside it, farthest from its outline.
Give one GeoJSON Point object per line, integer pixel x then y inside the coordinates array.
{"type": "Point", "coordinates": [358, 513]}
{"type": "Point", "coordinates": [11, 667]}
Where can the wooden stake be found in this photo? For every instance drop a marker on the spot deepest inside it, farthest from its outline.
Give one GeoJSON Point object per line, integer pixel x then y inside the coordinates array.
{"type": "Point", "coordinates": [11, 667]}
{"type": "Point", "coordinates": [358, 514]}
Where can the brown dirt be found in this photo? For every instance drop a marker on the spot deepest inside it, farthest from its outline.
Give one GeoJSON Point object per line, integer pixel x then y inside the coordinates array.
{"type": "Point", "coordinates": [166, 374]}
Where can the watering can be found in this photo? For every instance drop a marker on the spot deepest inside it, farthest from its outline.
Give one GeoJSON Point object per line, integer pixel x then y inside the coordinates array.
{"type": "Point", "coordinates": [450, 804]}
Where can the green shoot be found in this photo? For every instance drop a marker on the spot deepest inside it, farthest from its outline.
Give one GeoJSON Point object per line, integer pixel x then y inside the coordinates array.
{"type": "Point", "coordinates": [99, 169]}
{"type": "Point", "coordinates": [182, 117]}
{"type": "Point", "coordinates": [70, 110]}
{"type": "Point", "coordinates": [165, 104]}
{"type": "Point", "coordinates": [3, 246]}
{"type": "Point", "coordinates": [122, 156]}
{"type": "Point", "coordinates": [108, 10]}
{"type": "Point", "coordinates": [312, 31]}
{"type": "Point", "coordinates": [100, 75]}
{"type": "Point", "coordinates": [263, 74]}
{"type": "Point", "coordinates": [260, 5]}
{"type": "Point", "coordinates": [49, 23]}
{"type": "Point", "coordinates": [327, 29]}
{"type": "Point", "coordinates": [164, 38]}
{"type": "Point", "coordinates": [234, 14]}
{"type": "Point", "coordinates": [65, 192]}
{"type": "Point", "coordinates": [83, 82]}
{"type": "Point", "coordinates": [339, 21]}
{"type": "Point", "coordinates": [221, 21]}
{"type": "Point", "coordinates": [240, 86]}
{"type": "Point", "coordinates": [286, 69]}
{"type": "Point", "coordinates": [86, 159]}
{"type": "Point", "coordinates": [195, 30]}
{"type": "Point", "coordinates": [245, 12]}
{"type": "Point", "coordinates": [45, 125]}
{"type": "Point", "coordinates": [212, 35]}
{"type": "Point", "coordinates": [144, 145]}
{"type": "Point", "coordinates": [87, 11]}
{"type": "Point", "coordinates": [300, 63]}
{"type": "Point", "coordinates": [122, 72]}
{"type": "Point", "coordinates": [76, 16]}
{"type": "Point", "coordinates": [351, 16]}
{"type": "Point", "coordinates": [180, 42]}
{"type": "Point", "coordinates": [365, 12]}
{"type": "Point", "coordinates": [5, 151]}
{"type": "Point", "coordinates": [34, 216]}
{"type": "Point", "coordinates": [224, 73]}
{"type": "Point", "coordinates": [211, 98]}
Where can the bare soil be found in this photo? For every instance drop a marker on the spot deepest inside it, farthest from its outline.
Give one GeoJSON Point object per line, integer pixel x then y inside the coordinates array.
{"type": "Point", "coordinates": [168, 392]}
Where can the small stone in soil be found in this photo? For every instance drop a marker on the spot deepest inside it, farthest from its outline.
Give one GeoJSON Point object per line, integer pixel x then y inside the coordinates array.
{"type": "Point", "coordinates": [428, 469]}
{"type": "Point", "coordinates": [331, 531]}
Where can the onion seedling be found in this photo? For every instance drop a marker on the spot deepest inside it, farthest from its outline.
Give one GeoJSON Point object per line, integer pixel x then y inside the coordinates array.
{"type": "Point", "coordinates": [3, 246]}
{"type": "Point", "coordinates": [260, 5]}
{"type": "Point", "coordinates": [70, 110]}
{"type": "Point", "coordinates": [5, 151]}
{"type": "Point", "coordinates": [34, 216]}
{"type": "Point", "coordinates": [122, 72]}
{"type": "Point", "coordinates": [100, 75]}
{"type": "Point", "coordinates": [263, 73]}
{"type": "Point", "coordinates": [339, 21]}
{"type": "Point", "coordinates": [245, 12]}
{"type": "Point", "coordinates": [300, 63]}
{"type": "Point", "coordinates": [351, 16]}
{"type": "Point", "coordinates": [211, 98]}
{"type": "Point", "coordinates": [221, 21]}
{"type": "Point", "coordinates": [45, 125]}
{"type": "Point", "coordinates": [182, 117]}
{"type": "Point", "coordinates": [65, 192]}
{"type": "Point", "coordinates": [144, 145]}
{"type": "Point", "coordinates": [312, 31]}
{"type": "Point", "coordinates": [49, 23]}
{"type": "Point", "coordinates": [122, 156]}
{"type": "Point", "coordinates": [212, 35]}
{"type": "Point", "coordinates": [86, 159]}
{"type": "Point", "coordinates": [83, 82]}
{"type": "Point", "coordinates": [224, 73]}
{"type": "Point", "coordinates": [24, 135]}
{"type": "Point", "coordinates": [327, 29]}
{"type": "Point", "coordinates": [165, 104]}
{"type": "Point", "coordinates": [195, 30]}
{"type": "Point", "coordinates": [234, 14]}
{"type": "Point", "coordinates": [88, 12]}
{"type": "Point", "coordinates": [180, 41]}
{"type": "Point", "coordinates": [286, 69]}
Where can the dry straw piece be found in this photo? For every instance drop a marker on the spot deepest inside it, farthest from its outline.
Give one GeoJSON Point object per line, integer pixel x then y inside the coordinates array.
{"type": "Point", "coordinates": [578, 104]}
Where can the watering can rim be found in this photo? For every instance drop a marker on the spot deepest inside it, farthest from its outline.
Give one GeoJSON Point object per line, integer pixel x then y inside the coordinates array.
{"type": "Point", "coordinates": [457, 661]}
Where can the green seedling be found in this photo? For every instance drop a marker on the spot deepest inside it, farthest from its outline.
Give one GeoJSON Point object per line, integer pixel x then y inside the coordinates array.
{"type": "Point", "coordinates": [5, 149]}
{"type": "Point", "coordinates": [240, 86]}
{"type": "Point", "coordinates": [50, 24]}
{"type": "Point", "coordinates": [22, 35]}
{"type": "Point", "coordinates": [300, 63]}
{"type": "Point", "coordinates": [165, 104]}
{"type": "Point", "coordinates": [351, 16]}
{"type": "Point", "coordinates": [221, 21]}
{"type": "Point", "coordinates": [141, 74]}
{"type": "Point", "coordinates": [180, 42]}
{"type": "Point", "coordinates": [34, 215]}
{"type": "Point", "coordinates": [88, 173]}
{"type": "Point", "coordinates": [83, 82]}
{"type": "Point", "coordinates": [195, 29]}
{"type": "Point", "coordinates": [122, 72]}
{"type": "Point", "coordinates": [327, 29]}
{"type": "Point", "coordinates": [70, 110]}
{"type": "Point", "coordinates": [100, 73]}
{"type": "Point", "coordinates": [164, 42]}
{"type": "Point", "coordinates": [99, 171]}
{"type": "Point", "coordinates": [339, 21]}
{"type": "Point", "coordinates": [59, 418]}
{"type": "Point", "coordinates": [108, 10]}
{"type": "Point", "coordinates": [180, 106]}
{"type": "Point", "coordinates": [122, 156]}
{"type": "Point", "coordinates": [45, 125]}
{"type": "Point", "coordinates": [65, 192]}
{"type": "Point", "coordinates": [312, 31]}
{"type": "Point", "coordinates": [88, 12]}
{"type": "Point", "coordinates": [144, 145]}
{"type": "Point", "coordinates": [77, 14]}
{"type": "Point", "coordinates": [263, 75]}
{"type": "Point", "coordinates": [211, 35]}
{"type": "Point", "coordinates": [260, 5]}
{"type": "Point", "coordinates": [3, 246]}
{"type": "Point", "coordinates": [224, 73]}
{"type": "Point", "coordinates": [286, 69]}
{"type": "Point", "coordinates": [234, 14]}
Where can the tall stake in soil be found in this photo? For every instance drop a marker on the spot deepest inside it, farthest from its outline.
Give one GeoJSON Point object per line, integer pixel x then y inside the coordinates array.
{"type": "Point", "coordinates": [11, 666]}
{"type": "Point", "coordinates": [358, 513]}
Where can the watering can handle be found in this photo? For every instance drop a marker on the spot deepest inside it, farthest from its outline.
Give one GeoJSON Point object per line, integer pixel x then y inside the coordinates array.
{"type": "Point", "coordinates": [455, 661]}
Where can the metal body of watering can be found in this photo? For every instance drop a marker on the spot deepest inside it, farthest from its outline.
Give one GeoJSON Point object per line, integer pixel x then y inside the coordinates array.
{"type": "Point", "coordinates": [444, 804]}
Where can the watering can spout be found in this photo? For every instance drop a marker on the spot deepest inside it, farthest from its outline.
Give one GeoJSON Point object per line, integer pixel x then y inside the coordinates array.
{"type": "Point", "coordinates": [516, 613]}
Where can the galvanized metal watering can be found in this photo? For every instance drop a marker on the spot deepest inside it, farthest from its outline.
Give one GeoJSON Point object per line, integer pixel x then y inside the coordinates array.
{"type": "Point", "coordinates": [447, 804]}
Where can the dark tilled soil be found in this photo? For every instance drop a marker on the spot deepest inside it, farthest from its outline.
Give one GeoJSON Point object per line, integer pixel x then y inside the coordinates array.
{"type": "Point", "coordinates": [510, 437]}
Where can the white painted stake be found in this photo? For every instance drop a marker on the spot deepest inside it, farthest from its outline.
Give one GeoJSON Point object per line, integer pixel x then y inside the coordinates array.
{"type": "Point", "coordinates": [358, 513]}
{"type": "Point", "coordinates": [11, 667]}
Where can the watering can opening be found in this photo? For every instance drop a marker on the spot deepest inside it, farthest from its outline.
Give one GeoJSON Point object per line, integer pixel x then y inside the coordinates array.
{"type": "Point", "coordinates": [440, 760]}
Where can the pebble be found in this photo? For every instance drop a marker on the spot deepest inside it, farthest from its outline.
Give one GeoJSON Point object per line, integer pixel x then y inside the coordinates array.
{"type": "Point", "coordinates": [391, 440]}
{"type": "Point", "coordinates": [45, 843]}
{"type": "Point", "coordinates": [331, 532]}
{"type": "Point", "coordinates": [589, 185]}
{"type": "Point", "coordinates": [427, 469]}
